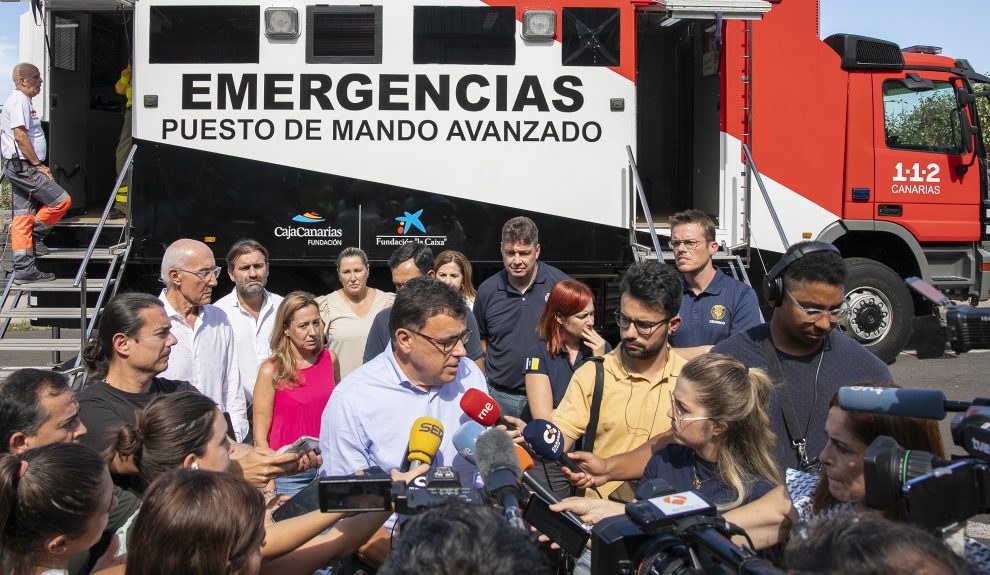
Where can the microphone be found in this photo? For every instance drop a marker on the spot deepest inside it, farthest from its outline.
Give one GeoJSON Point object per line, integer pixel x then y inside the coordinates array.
{"type": "Point", "coordinates": [482, 408]}
{"type": "Point", "coordinates": [424, 441]}
{"type": "Point", "coordinates": [547, 441]}
{"type": "Point", "coordinates": [501, 473]}
{"type": "Point", "coordinates": [924, 403]}
{"type": "Point", "coordinates": [534, 484]}
{"type": "Point", "coordinates": [465, 438]}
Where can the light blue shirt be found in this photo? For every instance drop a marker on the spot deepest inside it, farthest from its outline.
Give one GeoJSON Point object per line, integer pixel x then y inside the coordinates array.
{"type": "Point", "coordinates": [370, 413]}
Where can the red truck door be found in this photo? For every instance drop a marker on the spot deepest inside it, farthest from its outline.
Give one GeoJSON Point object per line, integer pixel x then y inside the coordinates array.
{"type": "Point", "coordinates": [919, 144]}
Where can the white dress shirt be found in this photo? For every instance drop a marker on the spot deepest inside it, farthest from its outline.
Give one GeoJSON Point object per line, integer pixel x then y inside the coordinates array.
{"type": "Point", "coordinates": [251, 336]}
{"type": "Point", "coordinates": [205, 357]}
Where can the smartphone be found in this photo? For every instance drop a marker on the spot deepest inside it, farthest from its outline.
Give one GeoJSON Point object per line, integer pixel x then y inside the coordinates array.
{"type": "Point", "coordinates": [355, 494]}
{"type": "Point", "coordinates": [305, 500]}
{"type": "Point", "coordinates": [571, 536]}
{"type": "Point", "coordinates": [304, 444]}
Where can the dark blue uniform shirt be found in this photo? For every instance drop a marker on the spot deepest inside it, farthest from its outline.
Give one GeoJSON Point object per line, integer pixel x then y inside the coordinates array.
{"type": "Point", "coordinates": [726, 307]}
{"type": "Point", "coordinates": [379, 336]}
{"type": "Point", "coordinates": [678, 465]}
{"type": "Point", "coordinates": [558, 368]}
{"type": "Point", "coordinates": [507, 320]}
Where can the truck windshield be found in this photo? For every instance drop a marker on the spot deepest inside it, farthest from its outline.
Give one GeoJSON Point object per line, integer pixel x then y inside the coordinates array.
{"type": "Point", "coordinates": [923, 120]}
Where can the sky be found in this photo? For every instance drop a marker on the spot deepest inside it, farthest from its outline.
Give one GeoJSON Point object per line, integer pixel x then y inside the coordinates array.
{"type": "Point", "coordinates": [961, 32]}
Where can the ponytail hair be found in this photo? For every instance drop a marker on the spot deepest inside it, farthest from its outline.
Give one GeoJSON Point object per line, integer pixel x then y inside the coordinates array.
{"type": "Point", "coordinates": [168, 430]}
{"type": "Point", "coordinates": [36, 503]}
{"type": "Point", "coordinates": [738, 396]}
{"type": "Point", "coordinates": [122, 314]}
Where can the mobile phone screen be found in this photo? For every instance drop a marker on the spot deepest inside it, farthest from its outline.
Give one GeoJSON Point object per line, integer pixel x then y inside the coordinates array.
{"type": "Point", "coordinates": [355, 494]}
{"type": "Point", "coordinates": [570, 536]}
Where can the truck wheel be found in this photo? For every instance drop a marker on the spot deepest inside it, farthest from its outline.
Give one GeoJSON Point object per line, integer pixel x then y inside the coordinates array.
{"type": "Point", "coordinates": [880, 308]}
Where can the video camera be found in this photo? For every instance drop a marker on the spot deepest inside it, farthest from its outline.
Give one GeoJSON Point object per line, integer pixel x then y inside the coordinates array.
{"type": "Point", "coordinates": [924, 489]}
{"type": "Point", "coordinates": [966, 327]}
{"type": "Point", "coordinates": [671, 533]}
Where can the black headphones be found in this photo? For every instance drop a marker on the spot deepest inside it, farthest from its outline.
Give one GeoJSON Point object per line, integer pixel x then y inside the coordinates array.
{"type": "Point", "coordinates": [773, 284]}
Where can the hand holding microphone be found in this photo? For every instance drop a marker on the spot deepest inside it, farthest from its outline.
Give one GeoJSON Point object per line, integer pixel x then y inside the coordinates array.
{"type": "Point", "coordinates": [547, 441]}
{"type": "Point", "coordinates": [424, 441]}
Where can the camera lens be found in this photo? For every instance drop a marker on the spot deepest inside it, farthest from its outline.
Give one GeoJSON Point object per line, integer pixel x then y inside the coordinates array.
{"type": "Point", "coordinates": [887, 467]}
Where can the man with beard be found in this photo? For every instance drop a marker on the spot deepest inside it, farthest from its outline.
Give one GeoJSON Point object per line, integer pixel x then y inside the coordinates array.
{"type": "Point", "coordinates": [638, 375]}
{"type": "Point", "coordinates": [250, 309]}
{"type": "Point", "coordinates": [204, 353]}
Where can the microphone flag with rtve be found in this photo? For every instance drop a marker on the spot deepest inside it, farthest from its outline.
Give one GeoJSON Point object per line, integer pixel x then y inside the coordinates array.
{"type": "Point", "coordinates": [500, 471]}
{"type": "Point", "coordinates": [482, 408]}
{"type": "Point", "coordinates": [424, 441]}
{"type": "Point", "coordinates": [924, 403]}
{"type": "Point", "coordinates": [465, 438]}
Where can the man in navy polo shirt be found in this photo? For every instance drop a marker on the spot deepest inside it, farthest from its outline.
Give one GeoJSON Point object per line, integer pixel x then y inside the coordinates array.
{"type": "Point", "coordinates": [508, 307]}
{"type": "Point", "coordinates": [714, 305]}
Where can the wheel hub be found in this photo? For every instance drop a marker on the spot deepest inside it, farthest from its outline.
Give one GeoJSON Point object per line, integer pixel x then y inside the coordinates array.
{"type": "Point", "coordinates": [869, 317]}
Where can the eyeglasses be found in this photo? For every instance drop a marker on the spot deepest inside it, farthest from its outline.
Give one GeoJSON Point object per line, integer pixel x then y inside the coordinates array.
{"type": "Point", "coordinates": [679, 419]}
{"type": "Point", "coordinates": [204, 274]}
{"type": "Point", "coordinates": [643, 328]}
{"type": "Point", "coordinates": [446, 346]}
{"type": "Point", "coordinates": [689, 244]}
{"type": "Point", "coordinates": [813, 314]}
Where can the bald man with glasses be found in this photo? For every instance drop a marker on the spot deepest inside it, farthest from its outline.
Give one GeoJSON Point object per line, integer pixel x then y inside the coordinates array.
{"type": "Point", "coordinates": [204, 354]}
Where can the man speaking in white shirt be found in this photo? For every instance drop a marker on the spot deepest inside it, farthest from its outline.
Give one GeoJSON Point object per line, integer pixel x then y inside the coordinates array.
{"type": "Point", "coordinates": [204, 355]}
{"type": "Point", "coordinates": [250, 308]}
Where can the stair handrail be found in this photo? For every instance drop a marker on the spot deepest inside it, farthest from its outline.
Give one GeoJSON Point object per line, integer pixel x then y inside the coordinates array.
{"type": "Point", "coordinates": [81, 274]}
{"type": "Point", "coordinates": [766, 197]}
{"type": "Point", "coordinates": [646, 206]}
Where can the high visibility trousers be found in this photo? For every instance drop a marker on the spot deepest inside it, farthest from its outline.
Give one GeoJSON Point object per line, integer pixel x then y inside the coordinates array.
{"type": "Point", "coordinates": [30, 189]}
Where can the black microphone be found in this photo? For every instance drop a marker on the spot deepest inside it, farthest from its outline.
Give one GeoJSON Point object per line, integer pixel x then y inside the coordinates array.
{"type": "Point", "coordinates": [924, 403]}
{"type": "Point", "coordinates": [547, 441]}
{"type": "Point", "coordinates": [500, 471]}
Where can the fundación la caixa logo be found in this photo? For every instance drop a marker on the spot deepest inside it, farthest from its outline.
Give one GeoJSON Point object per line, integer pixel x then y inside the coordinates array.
{"type": "Point", "coordinates": [316, 235]}
{"type": "Point", "coordinates": [409, 224]}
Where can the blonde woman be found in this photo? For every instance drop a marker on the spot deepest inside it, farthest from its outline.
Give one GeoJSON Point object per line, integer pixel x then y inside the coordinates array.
{"type": "Point", "coordinates": [453, 268]}
{"type": "Point", "coordinates": [295, 383]}
{"type": "Point", "coordinates": [722, 440]}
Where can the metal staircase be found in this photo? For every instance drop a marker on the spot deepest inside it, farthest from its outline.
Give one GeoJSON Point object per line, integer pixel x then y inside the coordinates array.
{"type": "Point", "coordinates": [724, 259]}
{"type": "Point", "coordinates": [104, 257]}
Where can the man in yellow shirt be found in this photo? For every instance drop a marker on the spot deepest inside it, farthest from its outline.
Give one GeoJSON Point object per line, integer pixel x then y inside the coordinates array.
{"type": "Point", "coordinates": [638, 374]}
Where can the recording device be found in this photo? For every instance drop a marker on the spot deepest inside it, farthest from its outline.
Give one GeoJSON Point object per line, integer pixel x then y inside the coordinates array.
{"type": "Point", "coordinates": [501, 473]}
{"type": "Point", "coordinates": [572, 537]}
{"type": "Point", "coordinates": [352, 493]}
{"type": "Point", "coordinates": [465, 438]}
{"type": "Point", "coordinates": [437, 487]}
{"type": "Point", "coordinates": [547, 441]}
{"type": "Point", "coordinates": [305, 500]}
{"type": "Point", "coordinates": [925, 489]}
{"type": "Point", "coordinates": [672, 533]}
{"type": "Point", "coordinates": [424, 441]}
{"type": "Point", "coordinates": [482, 408]}
{"type": "Point", "coordinates": [966, 327]}
{"type": "Point", "coordinates": [304, 444]}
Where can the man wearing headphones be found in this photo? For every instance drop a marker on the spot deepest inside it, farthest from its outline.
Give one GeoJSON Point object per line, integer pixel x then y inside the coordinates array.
{"type": "Point", "coordinates": [805, 356]}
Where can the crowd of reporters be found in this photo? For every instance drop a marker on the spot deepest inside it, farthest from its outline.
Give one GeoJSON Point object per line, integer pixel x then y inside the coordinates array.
{"type": "Point", "coordinates": [140, 474]}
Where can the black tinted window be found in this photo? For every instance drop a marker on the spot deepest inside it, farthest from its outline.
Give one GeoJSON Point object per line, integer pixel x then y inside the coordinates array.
{"type": "Point", "coordinates": [590, 37]}
{"type": "Point", "coordinates": [204, 34]}
{"type": "Point", "coordinates": [464, 35]}
{"type": "Point", "coordinates": [344, 34]}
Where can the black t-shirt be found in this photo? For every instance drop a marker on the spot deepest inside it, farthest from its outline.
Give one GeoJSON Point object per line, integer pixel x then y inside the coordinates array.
{"type": "Point", "coordinates": [103, 408]}
{"type": "Point", "coordinates": [811, 380]}
{"type": "Point", "coordinates": [559, 368]}
{"type": "Point", "coordinates": [679, 465]}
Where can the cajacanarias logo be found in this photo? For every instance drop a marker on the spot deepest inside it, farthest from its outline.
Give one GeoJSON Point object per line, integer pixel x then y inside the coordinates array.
{"type": "Point", "coordinates": [308, 218]}
{"type": "Point", "coordinates": [316, 236]}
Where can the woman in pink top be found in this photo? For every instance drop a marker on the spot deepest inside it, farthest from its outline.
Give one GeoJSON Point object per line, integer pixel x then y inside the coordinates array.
{"type": "Point", "coordinates": [295, 383]}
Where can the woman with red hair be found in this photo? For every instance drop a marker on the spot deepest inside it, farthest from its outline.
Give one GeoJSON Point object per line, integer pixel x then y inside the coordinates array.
{"type": "Point", "coordinates": [567, 339]}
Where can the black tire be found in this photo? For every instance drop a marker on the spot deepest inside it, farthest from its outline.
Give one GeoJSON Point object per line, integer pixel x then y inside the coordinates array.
{"type": "Point", "coordinates": [881, 308]}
